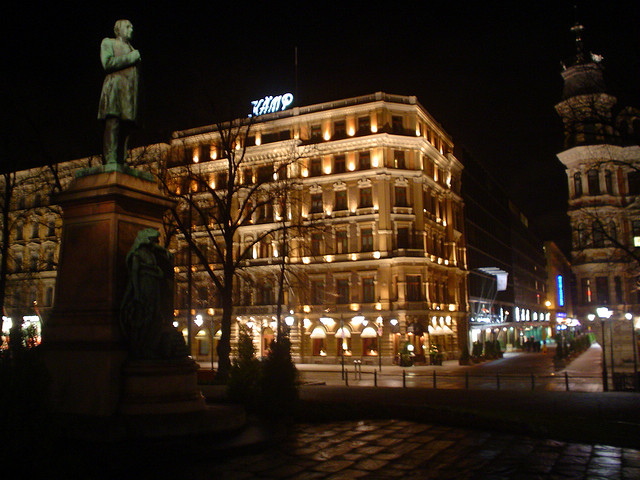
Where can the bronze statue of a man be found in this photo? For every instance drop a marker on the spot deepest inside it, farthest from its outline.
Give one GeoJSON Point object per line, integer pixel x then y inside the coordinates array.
{"type": "Point", "coordinates": [119, 98]}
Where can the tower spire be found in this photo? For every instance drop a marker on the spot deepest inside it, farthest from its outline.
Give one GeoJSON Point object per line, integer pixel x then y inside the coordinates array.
{"type": "Point", "coordinates": [577, 30]}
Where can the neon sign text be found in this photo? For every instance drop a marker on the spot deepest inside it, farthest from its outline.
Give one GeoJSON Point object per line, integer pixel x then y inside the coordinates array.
{"type": "Point", "coordinates": [560, 290]}
{"type": "Point", "coordinates": [271, 104]}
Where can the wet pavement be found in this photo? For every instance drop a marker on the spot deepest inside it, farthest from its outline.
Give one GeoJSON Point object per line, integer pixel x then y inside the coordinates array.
{"type": "Point", "coordinates": [378, 449]}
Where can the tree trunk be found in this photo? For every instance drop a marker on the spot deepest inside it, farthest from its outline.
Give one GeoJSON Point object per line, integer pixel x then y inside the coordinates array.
{"type": "Point", "coordinates": [224, 346]}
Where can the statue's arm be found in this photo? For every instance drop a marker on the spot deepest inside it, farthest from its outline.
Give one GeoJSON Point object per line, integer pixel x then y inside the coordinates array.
{"type": "Point", "coordinates": [112, 63]}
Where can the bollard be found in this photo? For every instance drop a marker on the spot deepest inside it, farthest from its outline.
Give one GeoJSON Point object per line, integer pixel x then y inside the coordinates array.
{"type": "Point", "coordinates": [434, 379]}
{"type": "Point", "coordinates": [346, 378]}
{"type": "Point", "coordinates": [497, 381]}
{"type": "Point", "coordinates": [404, 379]}
{"type": "Point", "coordinates": [375, 378]}
{"type": "Point", "coordinates": [466, 380]}
{"type": "Point", "coordinates": [533, 382]}
{"type": "Point", "coordinates": [566, 380]}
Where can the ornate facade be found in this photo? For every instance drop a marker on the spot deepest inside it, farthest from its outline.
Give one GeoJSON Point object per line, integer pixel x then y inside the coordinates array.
{"type": "Point", "coordinates": [602, 160]}
{"type": "Point", "coordinates": [382, 264]}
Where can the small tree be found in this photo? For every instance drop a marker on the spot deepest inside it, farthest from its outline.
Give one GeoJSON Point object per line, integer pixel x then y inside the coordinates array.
{"type": "Point", "coordinates": [279, 379]}
{"type": "Point", "coordinates": [245, 373]}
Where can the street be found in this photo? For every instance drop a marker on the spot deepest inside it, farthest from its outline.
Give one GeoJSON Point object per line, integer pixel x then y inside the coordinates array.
{"type": "Point", "coordinates": [517, 370]}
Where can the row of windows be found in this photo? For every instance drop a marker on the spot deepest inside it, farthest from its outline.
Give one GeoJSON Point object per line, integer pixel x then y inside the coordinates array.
{"type": "Point", "coordinates": [50, 230]}
{"type": "Point", "coordinates": [593, 183]}
{"type": "Point", "coordinates": [36, 263]}
{"type": "Point", "coordinates": [36, 200]}
{"type": "Point", "coordinates": [599, 293]}
{"type": "Point", "coordinates": [431, 204]}
{"type": "Point", "coordinates": [596, 235]}
{"type": "Point", "coordinates": [399, 159]}
{"type": "Point", "coordinates": [24, 300]}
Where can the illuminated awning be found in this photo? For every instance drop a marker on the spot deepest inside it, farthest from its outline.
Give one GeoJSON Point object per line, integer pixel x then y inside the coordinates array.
{"type": "Point", "coordinates": [343, 333]}
{"type": "Point", "coordinates": [369, 332]}
{"type": "Point", "coordinates": [318, 332]}
{"type": "Point", "coordinates": [440, 330]}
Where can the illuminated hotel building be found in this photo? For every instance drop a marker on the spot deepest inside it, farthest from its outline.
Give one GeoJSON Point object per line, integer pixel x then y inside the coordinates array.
{"type": "Point", "coordinates": [602, 158]}
{"type": "Point", "coordinates": [383, 262]}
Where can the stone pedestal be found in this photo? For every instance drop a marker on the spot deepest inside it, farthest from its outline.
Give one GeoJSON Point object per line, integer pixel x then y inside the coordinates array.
{"type": "Point", "coordinates": [161, 387]}
{"type": "Point", "coordinates": [102, 214]}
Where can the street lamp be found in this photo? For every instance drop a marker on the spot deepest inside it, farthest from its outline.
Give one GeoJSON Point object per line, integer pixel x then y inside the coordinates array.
{"type": "Point", "coordinates": [604, 313]}
{"type": "Point", "coordinates": [379, 323]}
{"type": "Point", "coordinates": [636, 387]}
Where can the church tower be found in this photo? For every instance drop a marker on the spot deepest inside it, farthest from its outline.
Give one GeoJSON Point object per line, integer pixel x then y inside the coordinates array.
{"type": "Point", "coordinates": [603, 171]}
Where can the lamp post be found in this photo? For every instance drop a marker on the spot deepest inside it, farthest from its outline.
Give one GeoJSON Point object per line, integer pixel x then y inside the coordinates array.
{"type": "Point", "coordinates": [342, 349]}
{"type": "Point", "coordinates": [379, 323]}
{"type": "Point", "coordinates": [603, 314]}
{"type": "Point", "coordinates": [634, 345]}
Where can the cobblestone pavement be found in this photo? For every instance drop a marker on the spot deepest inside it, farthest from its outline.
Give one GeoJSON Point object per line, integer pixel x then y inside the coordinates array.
{"type": "Point", "coordinates": [378, 449]}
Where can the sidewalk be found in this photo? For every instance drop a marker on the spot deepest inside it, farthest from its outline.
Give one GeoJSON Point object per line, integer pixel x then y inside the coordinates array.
{"type": "Point", "coordinates": [593, 417]}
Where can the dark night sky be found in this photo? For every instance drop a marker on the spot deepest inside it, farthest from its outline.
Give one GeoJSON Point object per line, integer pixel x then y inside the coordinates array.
{"type": "Point", "coordinates": [489, 72]}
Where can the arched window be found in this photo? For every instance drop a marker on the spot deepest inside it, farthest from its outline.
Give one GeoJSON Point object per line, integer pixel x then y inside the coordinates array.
{"type": "Point", "coordinates": [319, 347]}
{"type": "Point", "coordinates": [582, 236]}
{"type": "Point", "coordinates": [594, 182]}
{"type": "Point", "coordinates": [608, 182]}
{"type": "Point", "coordinates": [613, 232]}
{"type": "Point", "coordinates": [598, 234]}
{"type": "Point", "coordinates": [577, 184]}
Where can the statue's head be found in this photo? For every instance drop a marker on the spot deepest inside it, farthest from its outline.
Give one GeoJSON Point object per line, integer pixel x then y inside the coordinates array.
{"type": "Point", "coordinates": [148, 236]}
{"type": "Point", "coordinates": [123, 29]}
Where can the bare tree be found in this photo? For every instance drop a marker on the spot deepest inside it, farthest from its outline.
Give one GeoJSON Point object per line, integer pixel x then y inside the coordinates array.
{"type": "Point", "coordinates": [222, 193]}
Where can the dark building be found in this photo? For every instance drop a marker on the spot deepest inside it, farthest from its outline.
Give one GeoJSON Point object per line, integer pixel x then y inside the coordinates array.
{"type": "Point", "coordinates": [506, 262]}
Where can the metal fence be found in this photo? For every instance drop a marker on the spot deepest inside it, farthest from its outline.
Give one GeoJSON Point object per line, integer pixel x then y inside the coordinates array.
{"type": "Point", "coordinates": [355, 376]}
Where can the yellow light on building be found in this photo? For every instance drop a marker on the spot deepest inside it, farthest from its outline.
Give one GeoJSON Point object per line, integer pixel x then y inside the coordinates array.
{"type": "Point", "coordinates": [352, 166]}
{"type": "Point", "coordinates": [306, 260]}
{"type": "Point", "coordinates": [258, 139]}
{"type": "Point", "coordinates": [352, 131]}
{"type": "Point", "coordinates": [306, 308]}
{"type": "Point", "coordinates": [327, 169]}
{"type": "Point", "coordinates": [213, 153]}
{"type": "Point", "coordinates": [354, 256]}
{"type": "Point", "coordinates": [328, 258]}
{"type": "Point", "coordinates": [305, 172]}
{"type": "Point", "coordinates": [196, 158]}
{"type": "Point", "coordinates": [210, 311]}
{"type": "Point", "coordinates": [354, 307]}
{"type": "Point", "coordinates": [327, 135]}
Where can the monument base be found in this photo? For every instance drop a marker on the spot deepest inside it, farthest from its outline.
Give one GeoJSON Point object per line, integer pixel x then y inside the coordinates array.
{"type": "Point", "coordinates": [160, 387]}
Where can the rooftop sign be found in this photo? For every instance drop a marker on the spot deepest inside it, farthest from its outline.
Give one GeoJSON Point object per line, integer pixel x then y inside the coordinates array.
{"type": "Point", "coordinates": [271, 104]}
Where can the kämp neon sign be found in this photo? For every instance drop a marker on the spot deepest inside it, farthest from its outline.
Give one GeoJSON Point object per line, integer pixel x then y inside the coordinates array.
{"type": "Point", "coordinates": [271, 104]}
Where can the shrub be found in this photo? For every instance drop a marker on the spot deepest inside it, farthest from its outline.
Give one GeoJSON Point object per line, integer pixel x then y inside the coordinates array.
{"type": "Point", "coordinates": [279, 380]}
{"type": "Point", "coordinates": [244, 377]}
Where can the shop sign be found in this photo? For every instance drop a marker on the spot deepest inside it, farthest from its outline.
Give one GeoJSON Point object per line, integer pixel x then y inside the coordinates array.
{"type": "Point", "coordinates": [270, 104]}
